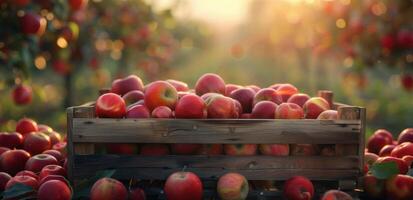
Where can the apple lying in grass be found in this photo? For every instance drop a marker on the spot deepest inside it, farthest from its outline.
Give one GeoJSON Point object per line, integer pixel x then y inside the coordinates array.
{"type": "Point", "coordinates": [183, 186]}
{"type": "Point", "coordinates": [232, 186]}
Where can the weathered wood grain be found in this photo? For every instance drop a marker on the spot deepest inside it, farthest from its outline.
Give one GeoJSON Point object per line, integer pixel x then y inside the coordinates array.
{"type": "Point", "coordinates": [215, 131]}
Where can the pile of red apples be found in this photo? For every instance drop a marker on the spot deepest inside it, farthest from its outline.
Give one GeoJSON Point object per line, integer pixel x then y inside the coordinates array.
{"type": "Point", "coordinates": [35, 156]}
{"type": "Point", "coordinates": [381, 148]}
{"type": "Point", "coordinates": [212, 98]}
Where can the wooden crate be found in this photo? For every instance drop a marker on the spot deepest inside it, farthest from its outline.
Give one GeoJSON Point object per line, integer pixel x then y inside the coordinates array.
{"type": "Point", "coordinates": [346, 134]}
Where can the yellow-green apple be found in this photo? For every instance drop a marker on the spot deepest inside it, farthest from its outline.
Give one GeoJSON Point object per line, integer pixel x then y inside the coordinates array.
{"type": "Point", "coordinates": [336, 195]}
{"type": "Point", "coordinates": [289, 111]}
{"type": "Point", "coordinates": [210, 83]}
{"type": "Point", "coordinates": [4, 178]}
{"type": "Point", "coordinates": [232, 186]}
{"type": "Point", "coordinates": [160, 93]}
{"type": "Point", "coordinates": [138, 111]}
{"type": "Point", "coordinates": [51, 170]}
{"type": "Point", "coordinates": [399, 187]}
{"type": "Point", "coordinates": [185, 149]}
{"type": "Point", "coordinates": [299, 99]}
{"type": "Point", "coordinates": [179, 85]}
{"type": "Point", "coordinates": [403, 149]}
{"type": "Point", "coordinates": [108, 188]}
{"type": "Point", "coordinates": [110, 105]}
{"type": "Point", "coordinates": [264, 110]}
{"type": "Point", "coordinates": [13, 161]}
{"type": "Point", "coordinates": [314, 107]}
{"type": "Point", "coordinates": [406, 136]}
{"type": "Point", "coordinates": [191, 106]}
{"type": "Point", "coordinates": [231, 87]}
{"type": "Point", "coordinates": [154, 149]}
{"type": "Point", "coordinates": [328, 115]}
{"type": "Point", "coordinates": [162, 112]}
{"type": "Point", "coordinates": [133, 96]}
{"type": "Point", "coordinates": [54, 190]}
{"type": "Point", "coordinates": [378, 140]}
{"type": "Point", "coordinates": [267, 94]}
{"type": "Point", "coordinates": [36, 142]}
{"type": "Point", "coordinates": [37, 162]}
{"type": "Point", "coordinates": [275, 149]}
{"type": "Point", "coordinates": [401, 165]}
{"type": "Point", "coordinates": [220, 106]}
{"type": "Point", "coordinates": [245, 97]}
{"type": "Point", "coordinates": [183, 186]}
{"type": "Point", "coordinates": [26, 125]}
{"type": "Point", "coordinates": [240, 149]}
{"type": "Point", "coordinates": [11, 140]}
{"type": "Point", "coordinates": [298, 188]}
{"type": "Point", "coordinates": [127, 84]}
{"type": "Point", "coordinates": [286, 90]}
{"type": "Point", "coordinates": [386, 150]}
{"type": "Point", "coordinates": [211, 149]}
{"type": "Point", "coordinates": [304, 149]}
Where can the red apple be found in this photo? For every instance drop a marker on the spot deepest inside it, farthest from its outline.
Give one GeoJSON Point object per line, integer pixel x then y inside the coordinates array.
{"type": "Point", "coordinates": [160, 93]}
{"type": "Point", "coordinates": [245, 97]}
{"type": "Point", "coordinates": [190, 106]}
{"type": "Point", "coordinates": [44, 128]}
{"type": "Point", "coordinates": [33, 24]}
{"type": "Point", "coordinates": [26, 125]}
{"type": "Point", "coordinates": [53, 177]}
{"type": "Point", "coordinates": [108, 188]}
{"type": "Point", "coordinates": [289, 111]}
{"type": "Point", "coordinates": [61, 147]}
{"type": "Point", "coordinates": [231, 87]}
{"type": "Point", "coordinates": [77, 4]}
{"type": "Point", "coordinates": [3, 149]}
{"type": "Point", "coordinates": [37, 162]}
{"type": "Point", "coordinates": [232, 186]}
{"type": "Point", "coordinates": [299, 99]}
{"type": "Point", "coordinates": [138, 111]}
{"type": "Point", "coordinates": [240, 149]}
{"type": "Point", "coordinates": [127, 84]}
{"type": "Point", "coordinates": [25, 180]}
{"type": "Point", "coordinates": [54, 190]}
{"type": "Point", "coordinates": [328, 115]}
{"type": "Point", "coordinates": [110, 105]}
{"type": "Point", "coordinates": [267, 94]}
{"type": "Point", "coordinates": [185, 149]}
{"type": "Point", "coordinates": [133, 96]}
{"type": "Point", "coordinates": [126, 149]}
{"type": "Point", "coordinates": [403, 168]}
{"type": "Point", "coordinates": [211, 149]}
{"type": "Point", "coordinates": [11, 140]}
{"type": "Point", "coordinates": [162, 112]}
{"type": "Point", "coordinates": [407, 80]}
{"type": "Point", "coordinates": [336, 195]}
{"type": "Point", "coordinates": [298, 188]}
{"type": "Point", "coordinates": [378, 140]}
{"type": "Point", "coordinates": [28, 173]}
{"type": "Point", "coordinates": [275, 149]}
{"type": "Point", "coordinates": [386, 150]}
{"type": "Point", "coordinates": [13, 161]}
{"type": "Point", "coordinates": [210, 83]}
{"type": "Point", "coordinates": [254, 87]}
{"type": "Point", "coordinates": [314, 107]}
{"type": "Point", "coordinates": [246, 115]}
{"type": "Point", "coordinates": [137, 194]}
{"type": "Point", "coordinates": [373, 187]}
{"type": "Point", "coordinates": [401, 150]}
{"type": "Point", "coordinates": [264, 110]}
{"type": "Point", "coordinates": [154, 149]}
{"type": "Point", "coordinates": [221, 107]}
{"type": "Point", "coordinates": [179, 85]}
{"type": "Point", "coordinates": [4, 178]}
{"type": "Point", "coordinates": [286, 90]}
{"type": "Point", "coordinates": [52, 170]}
{"type": "Point", "coordinates": [183, 186]}
{"type": "Point", "coordinates": [408, 160]}
{"type": "Point", "coordinates": [36, 142]}
{"type": "Point", "coordinates": [406, 136]}
{"type": "Point", "coordinates": [304, 149]}
{"type": "Point", "coordinates": [54, 136]}
{"type": "Point", "coordinates": [22, 95]}
{"type": "Point", "coordinates": [399, 187]}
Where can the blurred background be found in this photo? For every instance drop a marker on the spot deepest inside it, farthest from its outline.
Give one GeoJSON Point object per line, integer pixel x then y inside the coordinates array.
{"type": "Point", "coordinates": [361, 50]}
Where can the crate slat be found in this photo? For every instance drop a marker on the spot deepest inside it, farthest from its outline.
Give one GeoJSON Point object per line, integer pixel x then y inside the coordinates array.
{"type": "Point", "coordinates": [215, 131]}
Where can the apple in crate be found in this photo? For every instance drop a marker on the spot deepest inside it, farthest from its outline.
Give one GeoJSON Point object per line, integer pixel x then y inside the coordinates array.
{"type": "Point", "coordinates": [221, 107]}
{"type": "Point", "coordinates": [232, 186]}
{"type": "Point", "coordinates": [185, 149]}
{"type": "Point", "coordinates": [54, 190]}
{"type": "Point", "coordinates": [36, 143]}
{"type": "Point", "coordinates": [37, 162]}
{"type": "Point", "coordinates": [179, 85]}
{"type": "Point", "coordinates": [231, 87]}
{"type": "Point", "coordinates": [208, 83]}
{"type": "Point", "coordinates": [110, 105]}
{"type": "Point", "coordinates": [299, 99]}
{"type": "Point", "coordinates": [13, 161]}
{"type": "Point", "coordinates": [275, 149]}
{"type": "Point", "coordinates": [183, 186]}
{"type": "Point", "coordinates": [245, 97]}
{"type": "Point", "coordinates": [123, 86]}
{"type": "Point", "coordinates": [191, 106]}
{"type": "Point", "coordinates": [264, 110]}
{"type": "Point", "coordinates": [314, 107]}
{"type": "Point", "coordinates": [240, 149]}
{"type": "Point", "coordinates": [267, 94]}
{"type": "Point", "coordinates": [160, 93]}
{"type": "Point", "coordinates": [336, 195]}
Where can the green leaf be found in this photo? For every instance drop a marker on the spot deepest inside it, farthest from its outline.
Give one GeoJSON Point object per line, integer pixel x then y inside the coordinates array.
{"type": "Point", "coordinates": [17, 190]}
{"type": "Point", "coordinates": [83, 188]}
{"type": "Point", "coordinates": [384, 170]}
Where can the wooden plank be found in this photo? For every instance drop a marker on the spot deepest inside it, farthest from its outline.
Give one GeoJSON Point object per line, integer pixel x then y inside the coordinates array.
{"type": "Point", "coordinates": [84, 112]}
{"type": "Point", "coordinates": [70, 149]}
{"type": "Point", "coordinates": [233, 131]}
{"type": "Point", "coordinates": [362, 137]}
{"type": "Point", "coordinates": [215, 173]}
{"type": "Point", "coordinates": [101, 162]}
{"type": "Point", "coordinates": [348, 113]}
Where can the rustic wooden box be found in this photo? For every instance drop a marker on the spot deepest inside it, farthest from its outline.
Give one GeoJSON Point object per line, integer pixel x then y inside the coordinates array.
{"type": "Point", "coordinates": [347, 134]}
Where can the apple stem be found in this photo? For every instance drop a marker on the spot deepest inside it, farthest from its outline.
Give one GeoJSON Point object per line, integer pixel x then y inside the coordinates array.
{"type": "Point", "coordinates": [184, 168]}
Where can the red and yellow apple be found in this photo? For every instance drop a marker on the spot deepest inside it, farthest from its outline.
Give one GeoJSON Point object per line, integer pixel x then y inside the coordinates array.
{"type": "Point", "coordinates": [210, 83]}
{"type": "Point", "coordinates": [232, 186]}
{"type": "Point", "coordinates": [160, 93]}
{"type": "Point", "coordinates": [183, 186]}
